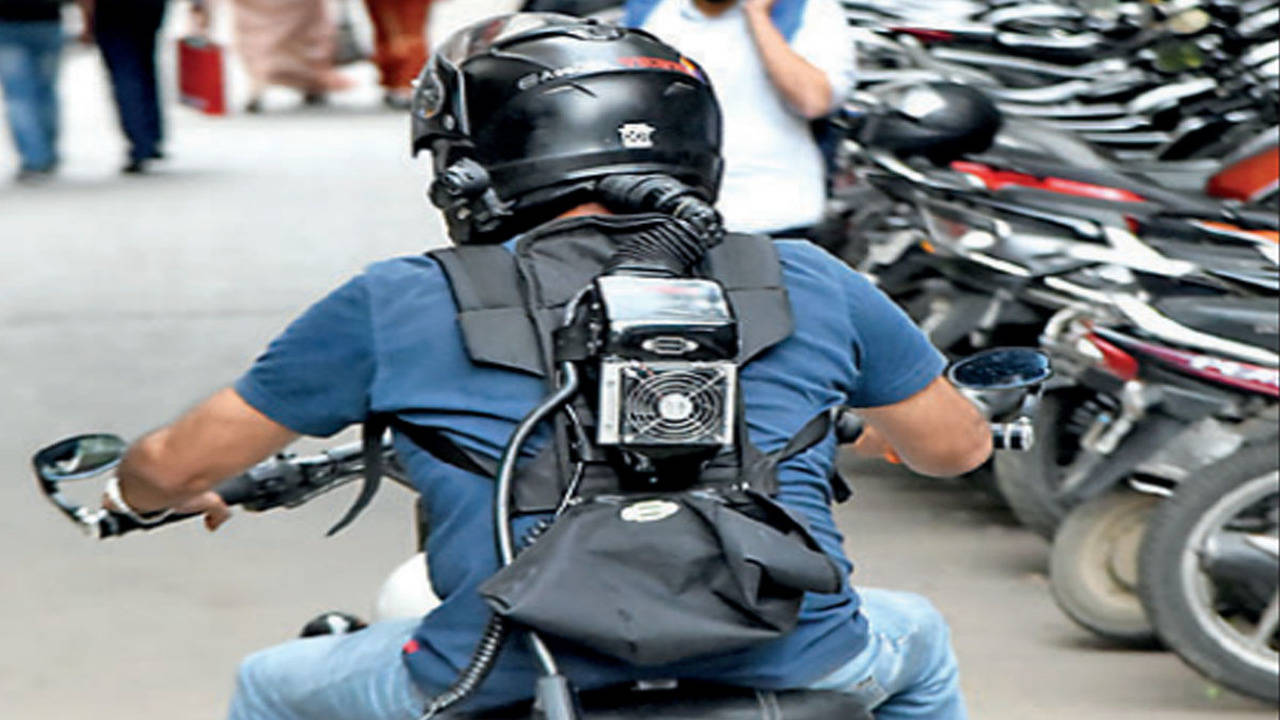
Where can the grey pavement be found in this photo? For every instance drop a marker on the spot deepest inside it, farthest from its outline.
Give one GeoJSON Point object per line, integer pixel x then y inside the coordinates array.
{"type": "Point", "coordinates": [124, 300]}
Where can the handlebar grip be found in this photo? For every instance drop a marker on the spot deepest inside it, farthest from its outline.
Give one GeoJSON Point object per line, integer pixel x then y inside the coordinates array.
{"type": "Point", "coordinates": [237, 490]}
{"type": "Point", "coordinates": [115, 524]}
{"type": "Point", "coordinates": [1018, 435]}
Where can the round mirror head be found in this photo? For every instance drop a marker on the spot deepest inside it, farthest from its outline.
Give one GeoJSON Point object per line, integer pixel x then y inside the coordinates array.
{"type": "Point", "coordinates": [1001, 369]}
{"type": "Point", "coordinates": [79, 457]}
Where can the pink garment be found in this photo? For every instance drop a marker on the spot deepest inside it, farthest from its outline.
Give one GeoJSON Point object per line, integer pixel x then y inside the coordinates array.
{"type": "Point", "coordinates": [286, 42]}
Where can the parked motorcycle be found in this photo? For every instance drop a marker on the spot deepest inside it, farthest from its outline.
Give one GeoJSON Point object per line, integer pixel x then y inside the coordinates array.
{"type": "Point", "coordinates": [1209, 568]}
{"type": "Point", "coordinates": [1162, 320]}
{"type": "Point", "coordinates": [1192, 86]}
{"type": "Point", "coordinates": [1147, 414]}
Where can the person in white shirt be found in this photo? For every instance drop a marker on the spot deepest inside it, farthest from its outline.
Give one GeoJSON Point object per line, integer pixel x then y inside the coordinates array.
{"type": "Point", "coordinates": [776, 65]}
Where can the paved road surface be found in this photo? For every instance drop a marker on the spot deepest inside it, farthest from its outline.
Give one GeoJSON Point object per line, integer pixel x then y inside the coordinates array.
{"type": "Point", "coordinates": [124, 300]}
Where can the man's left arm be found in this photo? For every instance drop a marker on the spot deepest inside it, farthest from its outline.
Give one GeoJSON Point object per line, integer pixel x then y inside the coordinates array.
{"type": "Point", "coordinates": [814, 70]}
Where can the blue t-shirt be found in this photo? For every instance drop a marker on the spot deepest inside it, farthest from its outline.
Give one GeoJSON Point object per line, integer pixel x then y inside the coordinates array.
{"type": "Point", "coordinates": [389, 341]}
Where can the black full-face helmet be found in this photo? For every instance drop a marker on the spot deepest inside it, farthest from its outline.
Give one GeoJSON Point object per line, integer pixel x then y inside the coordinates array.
{"type": "Point", "coordinates": [940, 121]}
{"type": "Point", "coordinates": [536, 106]}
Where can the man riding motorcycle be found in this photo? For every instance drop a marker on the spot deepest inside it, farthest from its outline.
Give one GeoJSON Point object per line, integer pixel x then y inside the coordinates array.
{"type": "Point", "coordinates": [534, 121]}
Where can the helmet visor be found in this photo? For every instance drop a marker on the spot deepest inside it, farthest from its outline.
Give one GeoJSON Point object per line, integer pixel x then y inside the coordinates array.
{"type": "Point", "coordinates": [441, 71]}
{"type": "Point", "coordinates": [478, 37]}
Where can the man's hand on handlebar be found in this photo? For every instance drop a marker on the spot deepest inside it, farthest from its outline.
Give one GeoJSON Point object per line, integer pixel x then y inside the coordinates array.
{"type": "Point", "coordinates": [209, 504]}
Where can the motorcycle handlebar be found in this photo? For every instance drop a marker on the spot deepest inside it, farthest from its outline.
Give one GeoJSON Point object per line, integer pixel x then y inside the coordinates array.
{"type": "Point", "coordinates": [114, 524]}
{"type": "Point", "coordinates": [238, 490]}
{"type": "Point", "coordinates": [235, 491]}
{"type": "Point", "coordinates": [280, 481]}
{"type": "Point", "coordinates": [1017, 435]}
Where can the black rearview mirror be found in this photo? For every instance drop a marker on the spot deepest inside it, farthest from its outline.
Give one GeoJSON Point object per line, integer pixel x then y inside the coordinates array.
{"type": "Point", "coordinates": [1001, 369]}
{"type": "Point", "coordinates": [79, 457]}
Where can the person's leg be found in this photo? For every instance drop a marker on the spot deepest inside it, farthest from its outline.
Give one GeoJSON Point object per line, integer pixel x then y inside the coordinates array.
{"type": "Point", "coordinates": [354, 677]}
{"type": "Point", "coordinates": [115, 42]}
{"type": "Point", "coordinates": [23, 76]}
{"type": "Point", "coordinates": [411, 45]}
{"type": "Point", "coordinates": [908, 670]}
{"type": "Point", "coordinates": [382, 15]}
{"type": "Point", "coordinates": [152, 121]}
{"type": "Point", "coordinates": [126, 35]}
{"type": "Point", "coordinates": [48, 63]}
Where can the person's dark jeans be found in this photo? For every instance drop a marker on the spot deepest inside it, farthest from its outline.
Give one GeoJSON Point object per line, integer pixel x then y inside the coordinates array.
{"type": "Point", "coordinates": [126, 32]}
{"type": "Point", "coordinates": [29, 57]}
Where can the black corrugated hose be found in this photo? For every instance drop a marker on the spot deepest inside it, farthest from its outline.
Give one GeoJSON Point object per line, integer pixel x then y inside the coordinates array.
{"type": "Point", "coordinates": [672, 247]}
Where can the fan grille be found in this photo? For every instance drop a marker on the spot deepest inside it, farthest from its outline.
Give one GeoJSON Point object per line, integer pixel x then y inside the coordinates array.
{"type": "Point", "coordinates": [674, 405]}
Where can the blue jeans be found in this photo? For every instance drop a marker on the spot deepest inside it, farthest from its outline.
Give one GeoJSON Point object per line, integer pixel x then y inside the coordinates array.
{"type": "Point", "coordinates": [907, 671]}
{"type": "Point", "coordinates": [29, 59]}
{"type": "Point", "coordinates": [126, 32]}
{"type": "Point", "coordinates": [332, 677]}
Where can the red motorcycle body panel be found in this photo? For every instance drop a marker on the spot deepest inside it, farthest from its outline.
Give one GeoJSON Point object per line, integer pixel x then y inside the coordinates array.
{"type": "Point", "coordinates": [995, 179]}
{"type": "Point", "coordinates": [1232, 373]}
{"type": "Point", "coordinates": [1250, 179]}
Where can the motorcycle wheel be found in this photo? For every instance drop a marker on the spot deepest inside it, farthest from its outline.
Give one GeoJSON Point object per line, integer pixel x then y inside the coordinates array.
{"type": "Point", "coordinates": [1093, 570]}
{"type": "Point", "coordinates": [1198, 616]}
{"type": "Point", "coordinates": [1027, 479]}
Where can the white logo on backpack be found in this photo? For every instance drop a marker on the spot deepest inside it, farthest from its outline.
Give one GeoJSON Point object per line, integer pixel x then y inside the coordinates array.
{"type": "Point", "coordinates": [649, 511]}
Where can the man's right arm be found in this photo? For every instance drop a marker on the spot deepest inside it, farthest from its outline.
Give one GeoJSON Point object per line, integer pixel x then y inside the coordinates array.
{"type": "Point", "coordinates": [909, 407]}
{"type": "Point", "coordinates": [935, 432]}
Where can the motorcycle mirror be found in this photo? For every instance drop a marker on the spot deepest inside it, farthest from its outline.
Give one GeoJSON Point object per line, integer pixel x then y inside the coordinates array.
{"type": "Point", "coordinates": [79, 457]}
{"type": "Point", "coordinates": [1001, 369]}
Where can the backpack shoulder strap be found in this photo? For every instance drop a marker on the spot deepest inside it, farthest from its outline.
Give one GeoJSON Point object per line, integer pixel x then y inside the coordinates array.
{"type": "Point", "coordinates": [435, 442]}
{"type": "Point", "coordinates": [810, 434]}
{"type": "Point", "coordinates": [496, 327]}
{"type": "Point", "coordinates": [749, 269]}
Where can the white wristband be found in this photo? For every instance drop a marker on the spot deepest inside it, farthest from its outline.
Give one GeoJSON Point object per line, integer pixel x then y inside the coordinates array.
{"type": "Point", "coordinates": [112, 491]}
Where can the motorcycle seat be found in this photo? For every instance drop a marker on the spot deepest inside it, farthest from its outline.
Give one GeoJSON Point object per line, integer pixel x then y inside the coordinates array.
{"type": "Point", "coordinates": [699, 701]}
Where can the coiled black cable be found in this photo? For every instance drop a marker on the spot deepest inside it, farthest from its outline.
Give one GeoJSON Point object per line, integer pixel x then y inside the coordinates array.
{"type": "Point", "coordinates": [482, 662]}
{"type": "Point", "coordinates": [487, 650]}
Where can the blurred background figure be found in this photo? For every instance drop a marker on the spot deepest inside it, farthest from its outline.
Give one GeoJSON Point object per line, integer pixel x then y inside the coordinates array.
{"type": "Point", "coordinates": [400, 31]}
{"type": "Point", "coordinates": [126, 32]}
{"type": "Point", "coordinates": [30, 52]}
{"type": "Point", "coordinates": [286, 42]}
{"type": "Point", "coordinates": [776, 65]}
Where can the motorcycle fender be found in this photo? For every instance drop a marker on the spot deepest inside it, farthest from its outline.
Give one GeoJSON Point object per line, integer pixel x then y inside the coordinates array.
{"type": "Point", "coordinates": [406, 593]}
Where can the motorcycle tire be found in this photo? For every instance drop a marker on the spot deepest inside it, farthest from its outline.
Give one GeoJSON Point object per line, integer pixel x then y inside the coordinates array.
{"type": "Point", "coordinates": [1093, 569]}
{"type": "Point", "coordinates": [1027, 479]}
{"type": "Point", "coordinates": [1168, 584]}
